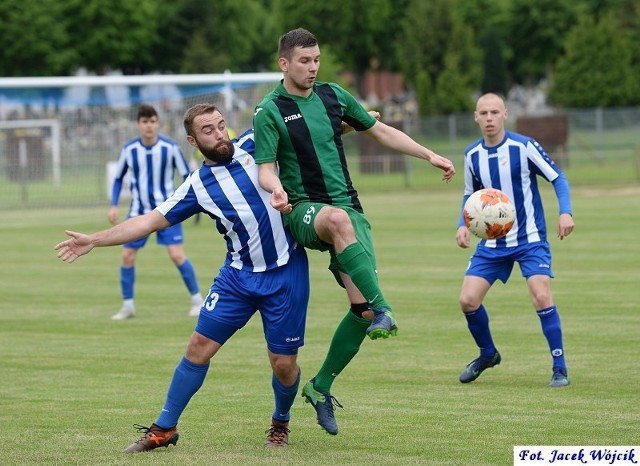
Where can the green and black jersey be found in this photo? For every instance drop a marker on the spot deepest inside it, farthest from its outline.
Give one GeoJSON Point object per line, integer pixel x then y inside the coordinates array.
{"type": "Point", "coordinates": [304, 136]}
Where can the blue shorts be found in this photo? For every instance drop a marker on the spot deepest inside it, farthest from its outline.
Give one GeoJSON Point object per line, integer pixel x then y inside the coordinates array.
{"type": "Point", "coordinates": [167, 237]}
{"type": "Point", "coordinates": [281, 296]}
{"type": "Point", "coordinates": [497, 264]}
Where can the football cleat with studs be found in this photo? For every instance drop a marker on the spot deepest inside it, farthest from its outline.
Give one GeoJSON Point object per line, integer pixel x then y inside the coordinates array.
{"type": "Point", "coordinates": [559, 377]}
{"type": "Point", "coordinates": [477, 366]}
{"type": "Point", "coordinates": [384, 325]}
{"type": "Point", "coordinates": [277, 434]}
{"type": "Point", "coordinates": [323, 403]}
{"type": "Point", "coordinates": [154, 437]}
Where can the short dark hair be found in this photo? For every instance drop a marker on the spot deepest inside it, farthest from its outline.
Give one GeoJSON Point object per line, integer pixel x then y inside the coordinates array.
{"type": "Point", "coordinates": [193, 112]}
{"type": "Point", "coordinates": [146, 111]}
{"type": "Point", "coordinates": [296, 38]}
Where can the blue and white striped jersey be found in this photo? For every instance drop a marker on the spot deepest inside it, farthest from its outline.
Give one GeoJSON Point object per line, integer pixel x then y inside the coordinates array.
{"type": "Point", "coordinates": [230, 193]}
{"type": "Point", "coordinates": [152, 170]}
{"type": "Point", "coordinates": [512, 166]}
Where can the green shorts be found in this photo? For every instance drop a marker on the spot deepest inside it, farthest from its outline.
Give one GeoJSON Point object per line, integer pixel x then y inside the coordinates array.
{"type": "Point", "coordinates": [300, 223]}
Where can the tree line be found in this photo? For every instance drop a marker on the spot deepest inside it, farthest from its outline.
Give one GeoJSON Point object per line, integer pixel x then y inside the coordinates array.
{"type": "Point", "coordinates": [588, 51]}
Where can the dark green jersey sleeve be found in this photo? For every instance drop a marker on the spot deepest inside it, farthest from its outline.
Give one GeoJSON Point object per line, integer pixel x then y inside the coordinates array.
{"type": "Point", "coordinates": [267, 133]}
{"type": "Point", "coordinates": [355, 114]}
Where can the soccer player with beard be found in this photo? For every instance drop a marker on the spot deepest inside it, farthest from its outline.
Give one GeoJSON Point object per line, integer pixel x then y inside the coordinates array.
{"type": "Point", "coordinates": [264, 270]}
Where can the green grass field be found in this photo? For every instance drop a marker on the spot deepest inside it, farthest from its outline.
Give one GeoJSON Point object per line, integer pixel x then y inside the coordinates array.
{"type": "Point", "coordinates": [73, 382]}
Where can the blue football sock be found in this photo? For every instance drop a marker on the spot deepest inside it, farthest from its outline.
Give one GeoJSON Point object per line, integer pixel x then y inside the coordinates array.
{"type": "Point", "coordinates": [188, 274]}
{"type": "Point", "coordinates": [187, 380]}
{"type": "Point", "coordinates": [284, 398]}
{"type": "Point", "coordinates": [552, 329]}
{"type": "Point", "coordinates": [478, 323]}
{"type": "Point", "coordinates": [127, 280]}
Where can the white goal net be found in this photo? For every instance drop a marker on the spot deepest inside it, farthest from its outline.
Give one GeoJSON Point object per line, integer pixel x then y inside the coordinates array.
{"type": "Point", "coordinates": [59, 135]}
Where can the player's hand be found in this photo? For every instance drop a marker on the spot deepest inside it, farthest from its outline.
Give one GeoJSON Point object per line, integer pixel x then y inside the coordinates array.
{"type": "Point", "coordinates": [280, 201]}
{"type": "Point", "coordinates": [112, 216]}
{"type": "Point", "coordinates": [565, 225]}
{"type": "Point", "coordinates": [445, 165]}
{"type": "Point", "coordinates": [79, 245]}
{"type": "Point", "coordinates": [462, 237]}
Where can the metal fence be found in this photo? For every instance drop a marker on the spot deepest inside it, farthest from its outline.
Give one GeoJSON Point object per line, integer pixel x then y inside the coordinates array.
{"type": "Point", "coordinates": [593, 146]}
{"type": "Point", "coordinates": [59, 156]}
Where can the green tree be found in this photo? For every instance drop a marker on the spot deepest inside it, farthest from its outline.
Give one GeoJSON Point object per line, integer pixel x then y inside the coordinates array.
{"type": "Point", "coordinates": [173, 37]}
{"type": "Point", "coordinates": [597, 69]}
{"type": "Point", "coordinates": [628, 13]}
{"type": "Point", "coordinates": [34, 39]}
{"type": "Point", "coordinates": [332, 22]}
{"type": "Point", "coordinates": [425, 97]}
{"type": "Point", "coordinates": [482, 15]}
{"type": "Point", "coordinates": [536, 34]}
{"type": "Point", "coordinates": [113, 34]}
{"type": "Point", "coordinates": [223, 34]}
{"type": "Point", "coordinates": [453, 89]}
{"type": "Point", "coordinates": [424, 33]}
{"type": "Point", "coordinates": [494, 76]}
{"type": "Point", "coordinates": [488, 19]}
{"type": "Point", "coordinates": [435, 40]}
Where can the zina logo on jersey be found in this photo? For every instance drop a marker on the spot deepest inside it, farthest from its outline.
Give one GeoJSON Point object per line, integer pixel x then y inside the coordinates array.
{"type": "Point", "coordinates": [289, 118]}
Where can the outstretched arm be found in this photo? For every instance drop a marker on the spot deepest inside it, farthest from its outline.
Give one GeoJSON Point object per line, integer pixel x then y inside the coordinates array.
{"type": "Point", "coordinates": [397, 140]}
{"type": "Point", "coordinates": [129, 230]}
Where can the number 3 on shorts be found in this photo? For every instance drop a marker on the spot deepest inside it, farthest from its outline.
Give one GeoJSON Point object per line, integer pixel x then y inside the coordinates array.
{"type": "Point", "coordinates": [210, 302]}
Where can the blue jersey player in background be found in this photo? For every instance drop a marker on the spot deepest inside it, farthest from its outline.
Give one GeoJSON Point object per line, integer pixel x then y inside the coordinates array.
{"type": "Point", "coordinates": [152, 162]}
{"type": "Point", "coordinates": [264, 270]}
{"type": "Point", "coordinates": [512, 163]}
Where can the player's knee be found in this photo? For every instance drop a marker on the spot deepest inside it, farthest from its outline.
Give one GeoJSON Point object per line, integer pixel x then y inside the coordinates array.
{"type": "Point", "coordinates": [177, 256]}
{"type": "Point", "coordinates": [542, 299]}
{"type": "Point", "coordinates": [285, 369]}
{"type": "Point", "coordinates": [200, 349]}
{"type": "Point", "coordinates": [469, 303]}
{"type": "Point", "coordinates": [338, 221]}
{"type": "Point", "coordinates": [128, 259]}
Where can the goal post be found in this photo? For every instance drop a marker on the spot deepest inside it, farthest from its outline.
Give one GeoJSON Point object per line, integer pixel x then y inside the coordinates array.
{"type": "Point", "coordinates": [74, 127]}
{"type": "Point", "coordinates": [226, 78]}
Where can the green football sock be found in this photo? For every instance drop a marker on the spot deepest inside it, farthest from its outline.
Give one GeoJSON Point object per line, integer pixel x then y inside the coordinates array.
{"type": "Point", "coordinates": [357, 265]}
{"type": "Point", "coordinates": [345, 344]}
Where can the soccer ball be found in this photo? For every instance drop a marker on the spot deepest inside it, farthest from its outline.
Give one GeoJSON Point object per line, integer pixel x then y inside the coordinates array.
{"type": "Point", "coordinates": [489, 213]}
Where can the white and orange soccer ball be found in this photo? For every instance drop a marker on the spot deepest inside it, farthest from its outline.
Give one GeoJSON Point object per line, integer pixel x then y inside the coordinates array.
{"type": "Point", "coordinates": [489, 213]}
